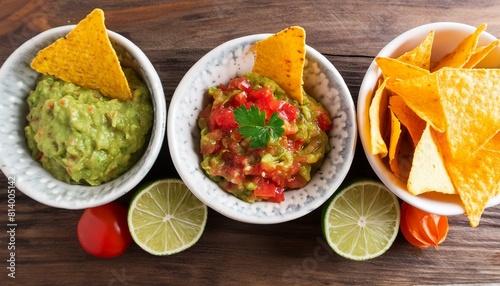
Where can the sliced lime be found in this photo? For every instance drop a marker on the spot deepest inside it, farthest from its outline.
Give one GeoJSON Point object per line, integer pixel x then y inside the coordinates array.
{"type": "Point", "coordinates": [362, 220]}
{"type": "Point", "coordinates": [166, 218]}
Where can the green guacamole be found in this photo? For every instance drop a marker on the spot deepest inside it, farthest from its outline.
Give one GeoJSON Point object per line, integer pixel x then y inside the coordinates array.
{"type": "Point", "coordinates": [82, 137]}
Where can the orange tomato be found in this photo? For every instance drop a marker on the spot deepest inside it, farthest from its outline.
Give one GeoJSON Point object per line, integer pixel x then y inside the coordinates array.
{"type": "Point", "coordinates": [421, 228]}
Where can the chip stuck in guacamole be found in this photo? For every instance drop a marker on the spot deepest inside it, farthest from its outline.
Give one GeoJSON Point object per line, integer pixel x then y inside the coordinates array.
{"type": "Point", "coordinates": [88, 120]}
{"type": "Point", "coordinates": [86, 57]}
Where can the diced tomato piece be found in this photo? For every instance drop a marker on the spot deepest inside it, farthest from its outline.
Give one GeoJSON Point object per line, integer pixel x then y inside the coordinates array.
{"type": "Point", "coordinates": [223, 118]}
{"type": "Point", "coordinates": [240, 83]}
{"type": "Point", "coordinates": [265, 188]}
{"type": "Point", "coordinates": [288, 111]}
{"type": "Point", "coordinates": [264, 191]}
{"type": "Point", "coordinates": [239, 99]}
{"type": "Point", "coordinates": [324, 122]}
{"type": "Point", "coordinates": [245, 86]}
{"type": "Point", "coordinates": [264, 94]}
{"type": "Point", "coordinates": [295, 144]}
{"type": "Point", "coordinates": [279, 196]}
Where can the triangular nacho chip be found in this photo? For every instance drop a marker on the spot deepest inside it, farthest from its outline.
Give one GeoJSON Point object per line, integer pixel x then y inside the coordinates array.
{"type": "Point", "coordinates": [471, 101]}
{"type": "Point", "coordinates": [281, 57]}
{"type": "Point", "coordinates": [421, 94]}
{"type": "Point", "coordinates": [420, 56]}
{"type": "Point", "coordinates": [413, 123]}
{"type": "Point", "coordinates": [461, 54]}
{"type": "Point", "coordinates": [86, 58]}
{"type": "Point", "coordinates": [428, 172]}
{"type": "Point", "coordinates": [378, 115]}
{"type": "Point", "coordinates": [493, 144]}
{"type": "Point", "coordinates": [480, 53]}
{"type": "Point", "coordinates": [476, 178]}
{"type": "Point", "coordinates": [398, 69]}
{"type": "Point", "coordinates": [395, 144]}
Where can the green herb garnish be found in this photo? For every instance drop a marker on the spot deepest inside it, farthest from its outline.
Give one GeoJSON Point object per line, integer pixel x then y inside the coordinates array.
{"type": "Point", "coordinates": [252, 125]}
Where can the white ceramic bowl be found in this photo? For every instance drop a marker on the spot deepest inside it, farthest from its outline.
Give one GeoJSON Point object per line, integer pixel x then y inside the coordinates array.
{"type": "Point", "coordinates": [447, 37]}
{"type": "Point", "coordinates": [228, 61]}
{"type": "Point", "coordinates": [16, 81]}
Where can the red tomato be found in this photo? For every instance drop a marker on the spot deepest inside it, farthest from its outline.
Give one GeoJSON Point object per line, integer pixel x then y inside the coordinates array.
{"type": "Point", "coordinates": [240, 83]}
{"type": "Point", "coordinates": [223, 118]}
{"type": "Point", "coordinates": [288, 111]}
{"type": "Point", "coordinates": [103, 231]}
{"type": "Point", "coordinates": [421, 228]}
{"type": "Point", "coordinates": [267, 190]}
{"type": "Point", "coordinates": [324, 122]}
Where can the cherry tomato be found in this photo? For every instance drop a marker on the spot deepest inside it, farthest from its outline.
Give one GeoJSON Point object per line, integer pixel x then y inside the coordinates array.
{"type": "Point", "coordinates": [103, 230]}
{"type": "Point", "coordinates": [421, 228]}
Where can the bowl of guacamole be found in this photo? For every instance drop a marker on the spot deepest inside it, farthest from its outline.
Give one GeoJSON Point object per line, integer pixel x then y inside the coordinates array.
{"type": "Point", "coordinates": [71, 147]}
{"type": "Point", "coordinates": [190, 140]}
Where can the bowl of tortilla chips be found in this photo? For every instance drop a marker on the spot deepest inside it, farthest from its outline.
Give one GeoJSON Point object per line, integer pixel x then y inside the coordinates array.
{"type": "Point", "coordinates": [428, 118]}
{"type": "Point", "coordinates": [233, 59]}
{"type": "Point", "coordinates": [18, 79]}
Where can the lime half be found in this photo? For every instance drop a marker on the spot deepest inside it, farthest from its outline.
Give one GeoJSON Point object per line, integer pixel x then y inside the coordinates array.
{"type": "Point", "coordinates": [362, 220]}
{"type": "Point", "coordinates": [166, 218]}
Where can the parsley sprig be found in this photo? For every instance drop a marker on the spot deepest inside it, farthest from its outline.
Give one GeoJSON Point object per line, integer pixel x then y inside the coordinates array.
{"type": "Point", "coordinates": [252, 125]}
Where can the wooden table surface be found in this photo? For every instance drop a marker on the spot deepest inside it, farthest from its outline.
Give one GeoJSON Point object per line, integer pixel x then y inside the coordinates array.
{"type": "Point", "coordinates": [174, 35]}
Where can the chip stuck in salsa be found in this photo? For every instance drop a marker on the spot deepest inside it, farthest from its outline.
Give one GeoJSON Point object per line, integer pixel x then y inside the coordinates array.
{"type": "Point", "coordinates": [261, 134]}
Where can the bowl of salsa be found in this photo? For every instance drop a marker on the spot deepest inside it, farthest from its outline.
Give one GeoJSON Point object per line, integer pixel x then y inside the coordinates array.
{"type": "Point", "coordinates": [276, 182]}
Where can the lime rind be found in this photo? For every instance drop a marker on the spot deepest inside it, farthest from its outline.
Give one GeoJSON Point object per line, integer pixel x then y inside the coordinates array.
{"type": "Point", "coordinates": [362, 221]}
{"type": "Point", "coordinates": [166, 218]}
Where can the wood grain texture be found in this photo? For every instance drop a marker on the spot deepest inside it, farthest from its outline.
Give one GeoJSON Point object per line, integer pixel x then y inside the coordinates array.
{"type": "Point", "coordinates": [174, 35]}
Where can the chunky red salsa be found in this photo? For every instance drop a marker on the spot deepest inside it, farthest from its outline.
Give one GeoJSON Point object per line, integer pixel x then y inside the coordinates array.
{"type": "Point", "coordinates": [261, 174]}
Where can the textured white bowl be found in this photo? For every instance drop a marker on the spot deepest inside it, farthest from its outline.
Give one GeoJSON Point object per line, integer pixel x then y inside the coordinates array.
{"type": "Point", "coordinates": [447, 37]}
{"type": "Point", "coordinates": [228, 61]}
{"type": "Point", "coordinates": [17, 79]}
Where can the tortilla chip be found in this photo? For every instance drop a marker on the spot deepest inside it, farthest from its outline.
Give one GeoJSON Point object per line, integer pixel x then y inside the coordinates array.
{"type": "Point", "coordinates": [281, 57]}
{"type": "Point", "coordinates": [399, 70]}
{"type": "Point", "coordinates": [378, 117]}
{"type": "Point", "coordinates": [471, 103]}
{"type": "Point", "coordinates": [86, 58]}
{"type": "Point", "coordinates": [420, 56]}
{"type": "Point", "coordinates": [452, 116]}
{"type": "Point", "coordinates": [428, 172]}
{"type": "Point", "coordinates": [421, 94]}
{"type": "Point", "coordinates": [413, 123]}
{"type": "Point", "coordinates": [394, 144]}
{"type": "Point", "coordinates": [476, 178]}
{"type": "Point", "coordinates": [461, 54]}
{"type": "Point", "coordinates": [480, 53]}
{"type": "Point", "coordinates": [493, 144]}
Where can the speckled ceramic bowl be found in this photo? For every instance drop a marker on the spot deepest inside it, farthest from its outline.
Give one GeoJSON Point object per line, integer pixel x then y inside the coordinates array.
{"type": "Point", "coordinates": [233, 59]}
{"type": "Point", "coordinates": [16, 81]}
{"type": "Point", "coordinates": [447, 37]}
